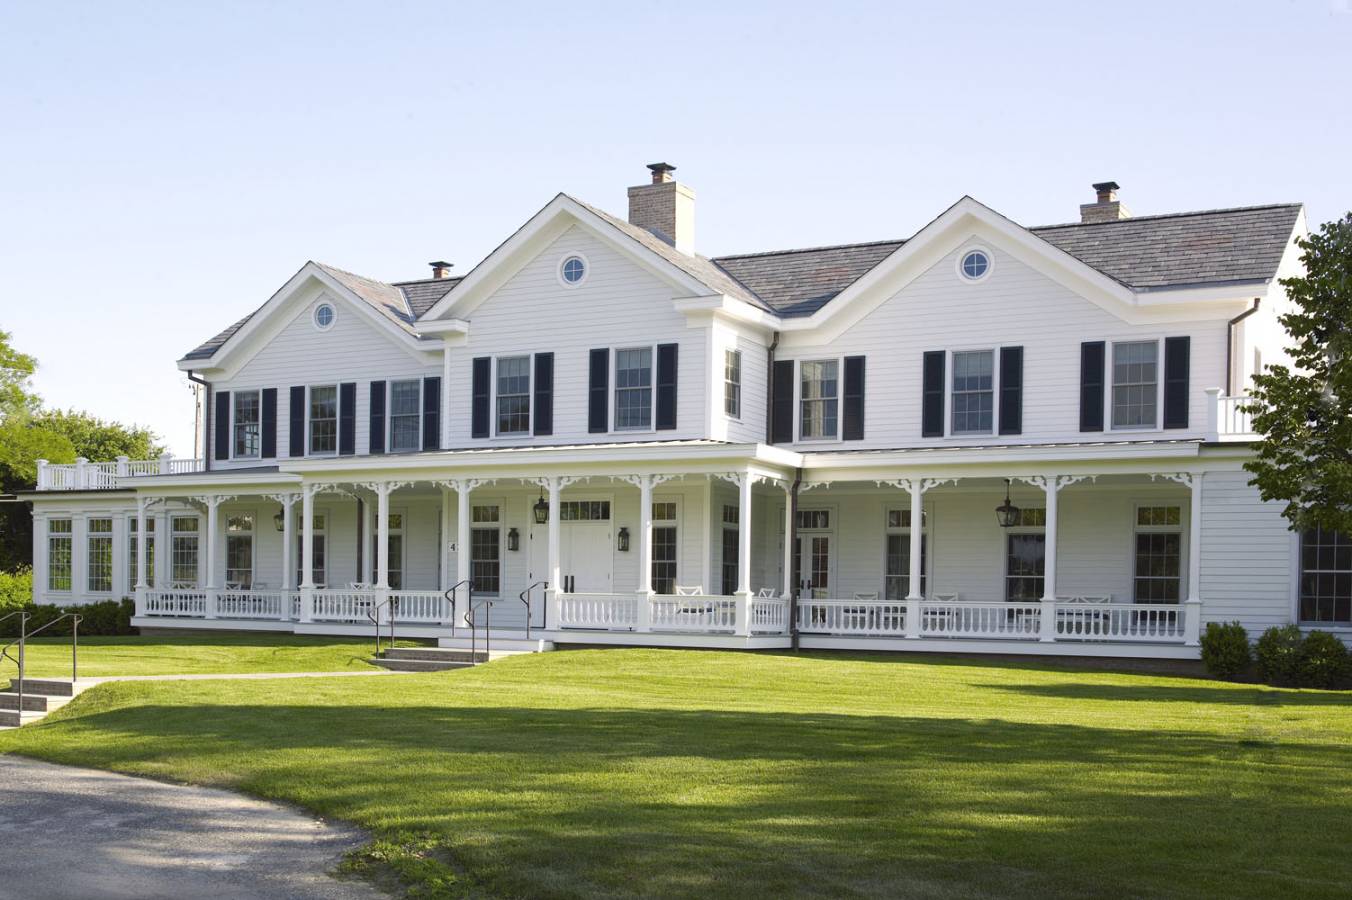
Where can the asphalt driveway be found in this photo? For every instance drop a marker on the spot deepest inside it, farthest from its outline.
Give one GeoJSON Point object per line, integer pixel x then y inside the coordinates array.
{"type": "Point", "coordinates": [80, 833]}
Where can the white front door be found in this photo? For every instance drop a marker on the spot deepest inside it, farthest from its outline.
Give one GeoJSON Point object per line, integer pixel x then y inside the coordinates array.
{"type": "Point", "coordinates": [586, 561]}
{"type": "Point", "coordinates": [812, 565]}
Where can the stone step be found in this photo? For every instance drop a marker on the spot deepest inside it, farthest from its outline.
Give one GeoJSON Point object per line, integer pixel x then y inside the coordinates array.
{"type": "Point", "coordinates": [31, 702]}
{"type": "Point", "coordinates": [419, 665]}
{"type": "Point", "coordinates": [51, 687]}
{"type": "Point", "coordinates": [434, 654]}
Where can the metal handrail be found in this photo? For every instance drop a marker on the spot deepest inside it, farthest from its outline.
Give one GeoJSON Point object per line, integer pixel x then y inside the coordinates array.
{"type": "Point", "coordinates": [472, 622]}
{"type": "Point", "coordinates": [450, 598]}
{"type": "Point", "coordinates": [374, 615]}
{"type": "Point", "coordinates": [22, 641]}
{"type": "Point", "coordinates": [524, 597]}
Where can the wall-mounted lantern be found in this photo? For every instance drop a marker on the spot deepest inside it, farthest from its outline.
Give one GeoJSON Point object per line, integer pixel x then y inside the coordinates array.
{"type": "Point", "coordinates": [280, 521]}
{"type": "Point", "coordinates": [622, 540]}
{"type": "Point", "coordinates": [513, 539]}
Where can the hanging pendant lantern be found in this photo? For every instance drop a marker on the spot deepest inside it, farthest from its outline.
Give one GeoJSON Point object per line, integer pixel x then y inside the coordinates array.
{"type": "Point", "coordinates": [541, 510]}
{"type": "Point", "coordinates": [1007, 514]}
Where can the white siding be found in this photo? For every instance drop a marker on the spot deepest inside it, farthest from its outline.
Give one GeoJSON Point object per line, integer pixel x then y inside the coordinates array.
{"type": "Point", "coordinates": [1014, 306]}
{"type": "Point", "coordinates": [1248, 555]}
{"type": "Point", "coordinates": [619, 305]}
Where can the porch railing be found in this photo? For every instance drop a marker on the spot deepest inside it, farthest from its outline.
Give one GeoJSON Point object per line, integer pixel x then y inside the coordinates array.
{"type": "Point", "coordinates": [1227, 417]}
{"type": "Point", "coordinates": [769, 615]}
{"type": "Point", "coordinates": [600, 612]}
{"type": "Point", "coordinates": [237, 604]}
{"type": "Point", "coordinates": [1162, 622]}
{"type": "Point", "coordinates": [83, 475]}
{"type": "Point", "coordinates": [708, 614]}
{"type": "Point", "coordinates": [183, 602]}
{"type": "Point", "coordinates": [420, 607]}
{"type": "Point", "coordinates": [341, 605]}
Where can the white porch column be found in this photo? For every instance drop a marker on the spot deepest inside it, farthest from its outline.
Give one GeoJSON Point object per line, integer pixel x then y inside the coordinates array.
{"type": "Point", "coordinates": [645, 553]}
{"type": "Point", "coordinates": [142, 539]}
{"type": "Point", "coordinates": [367, 574]}
{"type": "Point", "coordinates": [443, 545]}
{"type": "Point", "coordinates": [287, 502]}
{"type": "Point", "coordinates": [382, 490]}
{"type": "Point", "coordinates": [445, 405]}
{"type": "Point", "coordinates": [307, 553]}
{"type": "Point", "coordinates": [213, 504]}
{"type": "Point", "coordinates": [462, 559]}
{"type": "Point", "coordinates": [788, 541]}
{"type": "Point", "coordinates": [1047, 630]}
{"type": "Point", "coordinates": [555, 574]}
{"type": "Point", "coordinates": [1192, 626]}
{"type": "Point", "coordinates": [707, 550]}
{"type": "Point", "coordinates": [745, 482]}
{"type": "Point", "coordinates": [916, 572]}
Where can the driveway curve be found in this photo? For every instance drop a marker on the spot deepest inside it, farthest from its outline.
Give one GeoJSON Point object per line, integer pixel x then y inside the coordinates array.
{"type": "Point", "coordinates": [80, 833]}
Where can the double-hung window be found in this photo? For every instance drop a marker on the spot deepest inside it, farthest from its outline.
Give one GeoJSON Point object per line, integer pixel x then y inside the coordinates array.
{"type": "Point", "coordinates": [1159, 554]}
{"type": "Point", "coordinates": [973, 392]}
{"type": "Point", "coordinates": [58, 554]}
{"type": "Point", "coordinates": [247, 428]}
{"type": "Point", "coordinates": [1135, 384]}
{"type": "Point", "coordinates": [132, 538]}
{"type": "Point", "coordinates": [239, 538]}
{"type": "Point", "coordinates": [819, 399]}
{"type": "Point", "coordinates": [897, 578]}
{"type": "Point", "coordinates": [1025, 556]}
{"type": "Point", "coordinates": [324, 420]}
{"type": "Point", "coordinates": [485, 545]}
{"type": "Point", "coordinates": [1325, 576]}
{"type": "Point", "coordinates": [183, 551]}
{"type": "Point", "coordinates": [732, 383]}
{"type": "Point", "coordinates": [634, 388]}
{"type": "Point", "coordinates": [664, 547]}
{"type": "Point", "coordinates": [405, 415]}
{"type": "Point", "coordinates": [513, 384]}
{"type": "Point", "coordinates": [100, 558]}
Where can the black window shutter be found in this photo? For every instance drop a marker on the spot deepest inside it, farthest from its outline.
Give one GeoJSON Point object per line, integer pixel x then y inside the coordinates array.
{"type": "Point", "coordinates": [1011, 390]}
{"type": "Point", "coordinates": [1176, 366]}
{"type": "Point", "coordinates": [544, 393]}
{"type": "Point", "coordinates": [1092, 358]}
{"type": "Point", "coordinates": [598, 390]}
{"type": "Point", "coordinates": [269, 421]}
{"type": "Point", "coordinates": [431, 413]}
{"type": "Point", "coordinates": [296, 417]}
{"type": "Point", "coordinates": [376, 438]}
{"type": "Point", "coordinates": [223, 425]}
{"type": "Point", "coordinates": [932, 395]}
{"type": "Point", "coordinates": [483, 367]}
{"type": "Point", "coordinates": [781, 411]}
{"type": "Point", "coordinates": [347, 418]}
{"type": "Point", "coordinates": [667, 365]}
{"type": "Point", "coordinates": [853, 429]}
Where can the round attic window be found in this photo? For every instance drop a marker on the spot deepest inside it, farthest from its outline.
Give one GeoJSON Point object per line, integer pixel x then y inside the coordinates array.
{"type": "Point", "coordinates": [324, 316]}
{"type": "Point", "coordinates": [975, 265]}
{"type": "Point", "coordinates": [573, 270]}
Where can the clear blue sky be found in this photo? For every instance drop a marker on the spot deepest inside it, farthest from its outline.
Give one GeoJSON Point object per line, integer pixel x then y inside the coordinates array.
{"type": "Point", "coordinates": [165, 167]}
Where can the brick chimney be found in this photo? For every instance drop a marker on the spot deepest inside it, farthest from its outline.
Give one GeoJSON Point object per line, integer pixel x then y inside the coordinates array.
{"type": "Point", "coordinates": [1107, 208]}
{"type": "Point", "coordinates": [666, 208]}
{"type": "Point", "coordinates": [441, 268]}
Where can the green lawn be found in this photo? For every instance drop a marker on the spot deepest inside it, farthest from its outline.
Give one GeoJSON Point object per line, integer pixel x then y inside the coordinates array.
{"type": "Point", "coordinates": [698, 774]}
{"type": "Point", "coordinates": [192, 654]}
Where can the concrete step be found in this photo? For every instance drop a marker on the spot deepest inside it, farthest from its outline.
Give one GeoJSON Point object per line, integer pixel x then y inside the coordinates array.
{"type": "Point", "coordinates": [31, 702]}
{"type": "Point", "coordinates": [419, 665]}
{"type": "Point", "coordinates": [434, 654]}
{"type": "Point", "coordinates": [51, 687]}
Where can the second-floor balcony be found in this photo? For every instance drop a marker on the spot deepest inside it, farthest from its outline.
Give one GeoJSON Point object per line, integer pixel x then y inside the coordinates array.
{"type": "Point", "coordinates": [83, 475]}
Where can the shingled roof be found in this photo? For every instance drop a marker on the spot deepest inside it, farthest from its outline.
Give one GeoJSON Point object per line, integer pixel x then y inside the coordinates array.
{"type": "Point", "coordinates": [423, 295]}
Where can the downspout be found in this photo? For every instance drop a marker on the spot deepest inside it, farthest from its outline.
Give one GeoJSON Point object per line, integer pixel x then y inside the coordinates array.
{"type": "Point", "coordinates": [1230, 345]}
{"type": "Point", "coordinates": [770, 392]}
{"type": "Point", "coordinates": [204, 411]}
{"type": "Point", "coordinates": [792, 536]}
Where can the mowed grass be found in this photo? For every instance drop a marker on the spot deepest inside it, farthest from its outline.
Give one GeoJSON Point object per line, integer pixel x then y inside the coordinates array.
{"type": "Point", "coordinates": [191, 654]}
{"type": "Point", "coordinates": [658, 773]}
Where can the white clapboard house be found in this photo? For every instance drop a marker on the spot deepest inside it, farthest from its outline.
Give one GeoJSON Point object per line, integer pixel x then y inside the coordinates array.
{"type": "Point", "coordinates": [985, 437]}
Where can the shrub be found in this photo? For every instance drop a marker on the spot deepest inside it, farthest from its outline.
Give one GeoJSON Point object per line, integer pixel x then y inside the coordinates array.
{"type": "Point", "coordinates": [103, 619]}
{"type": "Point", "coordinates": [1278, 652]}
{"type": "Point", "coordinates": [1322, 661]}
{"type": "Point", "coordinates": [16, 590]}
{"type": "Point", "coordinates": [1225, 649]}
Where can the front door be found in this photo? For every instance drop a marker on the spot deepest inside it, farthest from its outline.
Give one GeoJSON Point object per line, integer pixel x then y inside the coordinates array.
{"type": "Point", "coordinates": [585, 559]}
{"type": "Point", "coordinates": [812, 565]}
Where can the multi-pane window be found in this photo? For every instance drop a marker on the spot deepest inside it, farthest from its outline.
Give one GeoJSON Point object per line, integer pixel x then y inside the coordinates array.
{"type": "Point", "coordinates": [405, 415]}
{"type": "Point", "coordinates": [1159, 554]}
{"type": "Point", "coordinates": [319, 543]}
{"type": "Point", "coordinates": [974, 392]}
{"type": "Point", "coordinates": [58, 554]}
{"type": "Point", "coordinates": [485, 557]}
{"type": "Point", "coordinates": [514, 395]}
{"type": "Point", "coordinates": [814, 519]}
{"type": "Point", "coordinates": [1325, 576]}
{"type": "Point", "coordinates": [395, 533]}
{"type": "Point", "coordinates": [100, 544]}
{"type": "Point", "coordinates": [247, 428]}
{"type": "Point", "coordinates": [132, 538]}
{"type": "Point", "coordinates": [1024, 569]}
{"type": "Point", "coordinates": [633, 388]}
{"type": "Point", "coordinates": [183, 551]}
{"type": "Point", "coordinates": [324, 419]}
{"type": "Point", "coordinates": [819, 388]}
{"type": "Point", "coordinates": [584, 511]}
{"type": "Point", "coordinates": [731, 547]}
{"type": "Point", "coordinates": [239, 545]}
{"type": "Point", "coordinates": [732, 383]}
{"type": "Point", "coordinates": [813, 573]}
{"type": "Point", "coordinates": [1135, 384]}
{"type": "Point", "coordinates": [664, 547]}
{"type": "Point", "coordinates": [897, 578]}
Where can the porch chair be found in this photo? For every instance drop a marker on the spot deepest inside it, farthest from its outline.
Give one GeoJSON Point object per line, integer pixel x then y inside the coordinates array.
{"type": "Point", "coordinates": [689, 590]}
{"type": "Point", "coordinates": [767, 594]}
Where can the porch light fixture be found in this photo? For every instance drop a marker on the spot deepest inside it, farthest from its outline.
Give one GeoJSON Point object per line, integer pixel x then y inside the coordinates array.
{"type": "Point", "coordinates": [513, 539]}
{"type": "Point", "coordinates": [541, 510]}
{"type": "Point", "coordinates": [280, 521]}
{"type": "Point", "coordinates": [622, 540]}
{"type": "Point", "coordinates": [1007, 514]}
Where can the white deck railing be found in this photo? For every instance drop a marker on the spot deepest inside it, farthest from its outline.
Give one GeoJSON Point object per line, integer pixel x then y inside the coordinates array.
{"type": "Point", "coordinates": [186, 602]}
{"type": "Point", "coordinates": [1227, 417]}
{"type": "Point", "coordinates": [769, 615]}
{"type": "Point", "coordinates": [342, 605]}
{"type": "Point", "coordinates": [420, 607]}
{"type": "Point", "coordinates": [83, 475]}
{"type": "Point", "coordinates": [704, 614]}
{"type": "Point", "coordinates": [863, 617]}
{"type": "Point", "coordinates": [966, 619]}
{"type": "Point", "coordinates": [1154, 622]}
{"type": "Point", "coordinates": [237, 604]}
{"type": "Point", "coordinates": [600, 612]}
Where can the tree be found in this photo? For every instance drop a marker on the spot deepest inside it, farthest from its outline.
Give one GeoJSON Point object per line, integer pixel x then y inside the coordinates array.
{"type": "Point", "coordinates": [95, 439]}
{"type": "Point", "coordinates": [16, 391]}
{"type": "Point", "coordinates": [1305, 412]}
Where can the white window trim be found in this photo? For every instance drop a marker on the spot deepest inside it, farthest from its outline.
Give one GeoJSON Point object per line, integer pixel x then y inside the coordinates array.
{"type": "Point", "coordinates": [679, 524]}
{"type": "Point", "coordinates": [1158, 341]}
{"type": "Point", "coordinates": [962, 255]}
{"type": "Point", "coordinates": [833, 557]}
{"type": "Point", "coordinates": [1183, 529]}
{"type": "Point", "coordinates": [586, 270]}
{"type": "Point", "coordinates": [798, 400]}
{"type": "Point", "coordinates": [995, 393]}
{"type": "Point", "coordinates": [337, 419]}
{"type": "Point", "coordinates": [651, 427]}
{"type": "Point", "coordinates": [501, 523]}
{"type": "Point", "coordinates": [739, 383]}
{"type": "Point", "coordinates": [234, 404]}
{"type": "Point", "coordinates": [314, 314]}
{"type": "Point", "coordinates": [89, 535]}
{"type": "Point", "coordinates": [530, 393]}
{"type": "Point", "coordinates": [253, 543]}
{"type": "Point", "coordinates": [199, 534]}
{"type": "Point", "coordinates": [47, 553]}
{"type": "Point", "coordinates": [389, 413]}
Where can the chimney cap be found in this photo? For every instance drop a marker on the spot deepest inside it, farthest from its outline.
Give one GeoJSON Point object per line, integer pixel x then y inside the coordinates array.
{"type": "Point", "coordinates": [1107, 186]}
{"type": "Point", "coordinates": [662, 172]}
{"type": "Point", "coordinates": [441, 264]}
